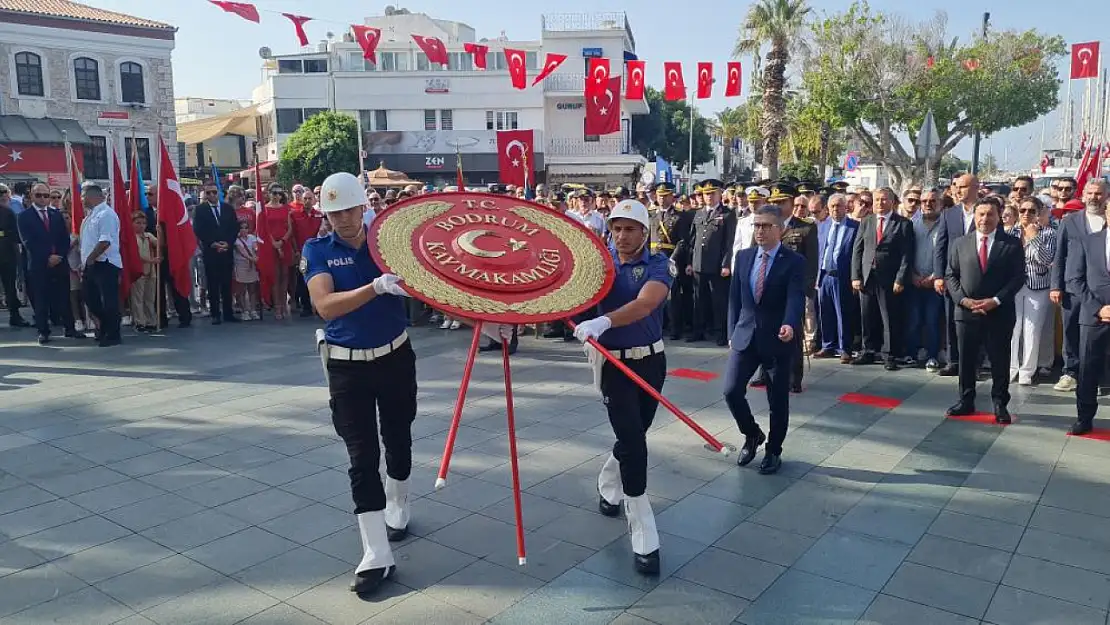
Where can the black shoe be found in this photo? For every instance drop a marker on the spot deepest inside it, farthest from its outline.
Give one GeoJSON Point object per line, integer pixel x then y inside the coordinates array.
{"type": "Point", "coordinates": [44, 339]}
{"type": "Point", "coordinates": [695, 338]}
{"type": "Point", "coordinates": [106, 342]}
{"type": "Point", "coordinates": [760, 382]}
{"type": "Point", "coordinates": [216, 321]}
{"type": "Point", "coordinates": [606, 508]}
{"type": "Point", "coordinates": [722, 342]}
{"type": "Point", "coordinates": [647, 565]}
{"type": "Point", "coordinates": [961, 409]}
{"type": "Point", "coordinates": [490, 347]}
{"type": "Point", "coordinates": [181, 325]}
{"type": "Point", "coordinates": [234, 319]}
{"type": "Point", "coordinates": [949, 370]}
{"type": "Point", "coordinates": [770, 465]}
{"type": "Point", "coordinates": [74, 334]}
{"type": "Point", "coordinates": [751, 446]}
{"type": "Point", "coordinates": [366, 582]}
{"type": "Point", "coordinates": [1002, 416]}
{"type": "Point", "coordinates": [796, 388]}
{"type": "Point", "coordinates": [891, 365]}
{"type": "Point", "coordinates": [396, 535]}
{"type": "Point", "coordinates": [865, 359]}
{"type": "Point", "coordinates": [554, 334]}
{"type": "Point", "coordinates": [19, 322]}
{"type": "Point", "coordinates": [1079, 428]}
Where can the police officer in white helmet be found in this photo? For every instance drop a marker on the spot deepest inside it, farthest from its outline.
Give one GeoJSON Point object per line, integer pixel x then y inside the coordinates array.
{"type": "Point", "coordinates": [371, 371]}
{"type": "Point", "coordinates": [631, 327]}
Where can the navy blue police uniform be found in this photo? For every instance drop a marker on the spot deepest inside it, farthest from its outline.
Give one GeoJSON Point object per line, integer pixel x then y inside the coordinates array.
{"type": "Point", "coordinates": [371, 370]}
{"type": "Point", "coordinates": [639, 345]}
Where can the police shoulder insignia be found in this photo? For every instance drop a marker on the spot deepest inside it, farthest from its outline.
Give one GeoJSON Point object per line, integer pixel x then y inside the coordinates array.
{"type": "Point", "coordinates": [303, 265]}
{"type": "Point", "coordinates": [638, 273]}
{"type": "Point", "coordinates": [672, 268]}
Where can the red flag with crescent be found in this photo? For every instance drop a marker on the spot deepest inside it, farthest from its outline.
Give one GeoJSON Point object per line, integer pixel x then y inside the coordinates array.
{"type": "Point", "coordinates": [634, 83]}
{"type": "Point", "coordinates": [603, 111]}
{"type": "Point", "coordinates": [298, 24]}
{"type": "Point", "coordinates": [368, 38]}
{"type": "Point", "coordinates": [674, 87]}
{"type": "Point", "coordinates": [517, 70]}
{"type": "Point", "coordinates": [433, 48]}
{"type": "Point", "coordinates": [242, 9]}
{"type": "Point", "coordinates": [705, 80]}
{"type": "Point", "coordinates": [597, 77]}
{"type": "Point", "coordinates": [1084, 60]}
{"type": "Point", "coordinates": [515, 155]}
{"type": "Point", "coordinates": [479, 52]}
{"type": "Point", "coordinates": [181, 243]}
{"type": "Point", "coordinates": [735, 81]}
{"type": "Point", "coordinates": [550, 64]}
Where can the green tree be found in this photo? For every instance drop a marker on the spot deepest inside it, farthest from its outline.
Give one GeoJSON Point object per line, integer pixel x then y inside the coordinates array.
{"type": "Point", "coordinates": [778, 26]}
{"type": "Point", "coordinates": [666, 132]}
{"type": "Point", "coordinates": [952, 166]}
{"type": "Point", "coordinates": [325, 143]}
{"type": "Point", "coordinates": [802, 170]}
{"type": "Point", "coordinates": [878, 75]}
{"type": "Point", "coordinates": [730, 126]}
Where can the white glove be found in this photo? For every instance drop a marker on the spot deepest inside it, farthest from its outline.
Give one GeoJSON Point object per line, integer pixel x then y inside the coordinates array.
{"type": "Point", "coordinates": [498, 332]}
{"type": "Point", "coordinates": [593, 328]}
{"type": "Point", "coordinates": [389, 284]}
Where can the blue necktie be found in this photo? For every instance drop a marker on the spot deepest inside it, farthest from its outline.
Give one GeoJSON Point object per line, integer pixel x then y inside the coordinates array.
{"type": "Point", "coordinates": [830, 245]}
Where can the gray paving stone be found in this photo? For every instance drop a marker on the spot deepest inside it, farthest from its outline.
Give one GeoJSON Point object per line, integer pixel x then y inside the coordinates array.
{"type": "Point", "coordinates": [14, 558]}
{"type": "Point", "coordinates": [333, 603]}
{"type": "Point", "coordinates": [574, 598]}
{"type": "Point", "coordinates": [194, 530]}
{"type": "Point", "coordinates": [292, 573]}
{"type": "Point", "coordinates": [38, 518]}
{"type": "Point", "coordinates": [320, 486]}
{"type": "Point", "coordinates": [977, 503]}
{"type": "Point", "coordinates": [630, 619]}
{"type": "Point", "coordinates": [308, 524]}
{"type": "Point", "coordinates": [264, 506]}
{"type": "Point", "coordinates": [224, 602]}
{"type": "Point", "coordinates": [149, 463]}
{"type": "Point", "coordinates": [70, 538]}
{"type": "Point", "coordinates": [244, 459]}
{"type": "Point", "coordinates": [853, 558]}
{"type": "Point", "coordinates": [747, 578]}
{"type": "Point", "coordinates": [104, 447]}
{"type": "Point", "coordinates": [880, 516]}
{"type": "Point", "coordinates": [1011, 606]}
{"type": "Point", "coordinates": [423, 563]}
{"type": "Point", "coordinates": [702, 518]}
{"type": "Point", "coordinates": [86, 480]}
{"type": "Point", "coordinates": [616, 562]}
{"type": "Point", "coordinates": [115, 496]}
{"type": "Point", "coordinates": [951, 592]}
{"type": "Point", "coordinates": [470, 494]}
{"type": "Point", "coordinates": [1059, 581]}
{"type": "Point", "coordinates": [240, 550]}
{"type": "Point", "coordinates": [746, 487]}
{"type": "Point", "coordinates": [807, 508]}
{"type": "Point", "coordinates": [1068, 550]}
{"type": "Point", "coordinates": [982, 563]}
{"type": "Point", "coordinates": [87, 606]}
{"type": "Point", "coordinates": [151, 512]}
{"type": "Point", "coordinates": [23, 496]}
{"type": "Point", "coordinates": [587, 528]}
{"type": "Point", "coordinates": [548, 557]}
{"type": "Point", "coordinates": [184, 476]}
{"type": "Point", "coordinates": [484, 588]}
{"type": "Point", "coordinates": [113, 558]}
{"type": "Point", "coordinates": [537, 511]}
{"type": "Point", "coordinates": [766, 543]}
{"type": "Point", "coordinates": [798, 597]}
{"type": "Point", "coordinates": [977, 530]}
{"type": "Point", "coordinates": [1068, 523]}
{"type": "Point", "coordinates": [32, 586]}
{"type": "Point", "coordinates": [887, 610]}
{"type": "Point", "coordinates": [476, 535]}
{"type": "Point", "coordinates": [677, 600]}
{"type": "Point", "coordinates": [282, 614]}
{"type": "Point", "coordinates": [221, 490]}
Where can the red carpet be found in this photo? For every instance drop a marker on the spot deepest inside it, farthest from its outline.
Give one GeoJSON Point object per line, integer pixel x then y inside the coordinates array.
{"type": "Point", "coordinates": [982, 417]}
{"type": "Point", "coordinates": [1095, 435]}
{"type": "Point", "coordinates": [693, 374]}
{"type": "Point", "coordinates": [870, 400]}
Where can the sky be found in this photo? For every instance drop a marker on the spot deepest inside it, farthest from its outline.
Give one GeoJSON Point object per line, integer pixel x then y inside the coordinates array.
{"type": "Point", "coordinates": [216, 54]}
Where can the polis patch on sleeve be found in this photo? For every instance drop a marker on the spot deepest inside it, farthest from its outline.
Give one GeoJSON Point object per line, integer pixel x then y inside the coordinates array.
{"type": "Point", "coordinates": [303, 266]}
{"type": "Point", "coordinates": [672, 268]}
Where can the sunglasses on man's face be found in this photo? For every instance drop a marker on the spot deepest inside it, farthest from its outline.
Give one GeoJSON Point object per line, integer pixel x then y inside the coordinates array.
{"type": "Point", "coordinates": [1027, 211]}
{"type": "Point", "coordinates": [42, 196]}
{"type": "Point", "coordinates": [55, 197]}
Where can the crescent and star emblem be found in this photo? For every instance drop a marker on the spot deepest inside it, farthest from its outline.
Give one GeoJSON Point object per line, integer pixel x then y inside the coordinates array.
{"type": "Point", "coordinates": [466, 243]}
{"type": "Point", "coordinates": [637, 76]}
{"type": "Point", "coordinates": [704, 75]}
{"type": "Point", "coordinates": [515, 59]}
{"type": "Point", "coordinates": [600, 74]}
{"type": "Point", "coordinates": [175, 187]}
{"type": "Point", "coordinates": [672, 76]}
{"type": "Point", "coordinates": [509, 150]}
{"type": "Point", "coordinates": [733, 75]}
{"type": "Point", "coordinates": [1085, 55]}
{"type": "Point", "coordinates": [604, 110]}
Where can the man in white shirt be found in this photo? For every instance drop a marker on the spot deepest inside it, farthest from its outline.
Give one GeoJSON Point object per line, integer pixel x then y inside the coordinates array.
{"type": "Point", "coordinates": [100, 253]}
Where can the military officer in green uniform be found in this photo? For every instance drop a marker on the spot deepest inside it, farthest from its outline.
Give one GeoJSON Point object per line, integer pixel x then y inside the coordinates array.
{"type": "Point", "coordinates": [800, 236]}
{"type": "Point", "coordinates": [670, 230]}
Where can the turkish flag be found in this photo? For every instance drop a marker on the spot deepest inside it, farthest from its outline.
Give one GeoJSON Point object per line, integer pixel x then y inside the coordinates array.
{"type": "Point", "coordinates": [479, 52]}
{"type": "Point", "coordinates": [128, 245]}
{"type": "Point", "coordinates": [1084, 60]}
{"type": "Point", "coordinates": [603, 111]}
{"type": "Point", "coordinates": [735, 81]}
{"type": "Point", "coordinates": [29, 158]}
{"type": "Point", "coordinates": [368, 39]}
{"type": "Point", "coordinates": [705, 80]}
{"type": "Point", "coordinates": [298, 24]}
{"type": "Point", "coordinates": [433, 48]}
{"type": "Point", "coordinates": [550, 64]}
{"type": "Point", "coordinates": [181, 243]}
{"type": "Point", "coordinates": [515, 156]}
{"type": "Point", "coordinates": [76, 208]}
{"type": "Point", "coordinates": [267, 258]}
{"type": "Point", "coordinates": [517, 70]}
{"type": "Point", "coordinates": [675, 88]}
{"type": "Point", "coordinates": [634, 84]}
{"type": "Point", "coordinates": [597, 78]}
{"type": "Point", "coordinates": [242, 9]}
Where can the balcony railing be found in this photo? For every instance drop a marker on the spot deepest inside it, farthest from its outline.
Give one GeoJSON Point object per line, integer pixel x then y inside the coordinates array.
{"type": "Point", "coordinates": [570, 83]}
{"type": "Point", "coordinates": [569, 22]}
{"type": "Point", "coordinates": [604, 146]}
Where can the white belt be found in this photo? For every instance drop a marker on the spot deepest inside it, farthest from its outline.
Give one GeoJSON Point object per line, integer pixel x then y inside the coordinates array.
{"type": "Point", "coordinates": [639, 353]}
{"type": "Point", "coordinates": [336, 352]}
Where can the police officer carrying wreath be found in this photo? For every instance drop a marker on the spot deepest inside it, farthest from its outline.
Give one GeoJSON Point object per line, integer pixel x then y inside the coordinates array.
{"type": "Point", "coordinates": [371, 371]}
{"type": "Point", "coordinates": [670, 229]}
{"type": "Point", "coordinates": [631, 327]}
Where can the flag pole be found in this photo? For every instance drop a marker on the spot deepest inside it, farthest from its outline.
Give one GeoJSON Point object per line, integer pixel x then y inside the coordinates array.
{"type": "Point", "coordinates": [1068, 127]}
{"type": "Point", "coordinates": [361, 163]}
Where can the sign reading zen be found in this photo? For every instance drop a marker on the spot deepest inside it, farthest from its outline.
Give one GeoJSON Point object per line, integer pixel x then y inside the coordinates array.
{"type": "Point", "coordinates": [433, 162]}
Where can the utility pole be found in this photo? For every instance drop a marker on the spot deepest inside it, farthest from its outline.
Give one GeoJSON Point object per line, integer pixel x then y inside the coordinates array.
{"type": "Point", "coordinates": [978, 137]}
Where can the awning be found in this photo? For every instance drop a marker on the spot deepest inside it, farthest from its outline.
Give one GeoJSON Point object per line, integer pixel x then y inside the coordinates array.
{"type": "Point", "coordinates": [247, 173]}
{"type": "Point", "coordinates": [20, 129]}
{"type": "Point", "coordinates": [239, 122]}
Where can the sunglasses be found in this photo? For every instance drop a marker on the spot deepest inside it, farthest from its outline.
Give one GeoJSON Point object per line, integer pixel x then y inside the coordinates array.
{"type": "Point", "coordinates": [55, 197]}
{"type": "Point", "coordinates": [42, 195]}
{"type": "Point", "coordinates": [1027, 211]}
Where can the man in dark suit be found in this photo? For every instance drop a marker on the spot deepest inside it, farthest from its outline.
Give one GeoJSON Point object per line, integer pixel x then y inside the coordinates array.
{"type": "Point", "coordinates": [837, 309]}
{"type": "Point", "coordinates": [766, 305]}
{"type": "Point", "coordinates": [1088, 282]}
{"type": "Point", "coordinates": [45, 237]}
{"type": "Point", "coordinates": [985, 272]}
{"type": "Point", "coordinates": [799, 235]}
{"type": "Point", "coordinates": [710, 246]}
{"type": "Point", "coordinates": [882, 265]}
{"type": "Point", "coordinates": [217, 228]}
{"type": "Point", "coordinates": [9, 258]}
{"type": "Point", "coordinates": [955, 222]}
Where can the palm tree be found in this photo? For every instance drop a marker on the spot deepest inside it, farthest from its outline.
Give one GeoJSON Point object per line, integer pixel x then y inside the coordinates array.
{"type": "Point", "coordinates": [777, 24]}
{"type": "Point", "coordinates": [730, 125]}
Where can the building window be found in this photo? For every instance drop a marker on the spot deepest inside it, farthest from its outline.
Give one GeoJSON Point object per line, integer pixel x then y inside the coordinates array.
{"type": "Point", "coordinates": [460, 62]}
{"type": "Point", "coordinates": [131, 82]}
{"type": "Point", "coordinates": [96, 159]}
{"type": "Point", "coordinates": [381, 120]}
{"type": "Point", "coordinates": [446, 120]}
{"type": "Point", "coordinates": [531, 60]}
{"type": "Point", "coordinates": [86, 77]}
{"type": "Point", "coordinates": [394, 61]}
{"type": "Point", "coordinates": [429, 119]}
{"type": "Point", "coordinates": [307, 113]}
{"type": "Point", "coordinates": [422, 64]}
{"type": "Point", "coordinates": [502, 120]}
{"type": "Point", "coordinates": [289, 120]}
{"type": "Point", "coordinates": [315, 66]}
{"type": "Point", "coordinates": [290, 66]}
{"type": "Point", "coordinates": [143, 147]}
{"type": "Point", "coordinates": [28, 74]}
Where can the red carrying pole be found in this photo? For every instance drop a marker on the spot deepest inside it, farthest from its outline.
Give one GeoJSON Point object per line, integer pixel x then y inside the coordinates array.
{"type": "Point", "coordinates": [520, 555]}
{"type": "Point", "coordinates": [445, 463]}
{"type": "Point", "coordinates": [656, 395]}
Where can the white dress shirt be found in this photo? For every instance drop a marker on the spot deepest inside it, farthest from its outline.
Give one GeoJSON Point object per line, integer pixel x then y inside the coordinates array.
{"type": "Point", "coordinates": [1107, 249]}
{"type": "Point", "coordinates": [1095, 222]}
{"type": "Point", "coordinates": [969, 219]}
{"type": "Point", "coordinates": [101, 225]}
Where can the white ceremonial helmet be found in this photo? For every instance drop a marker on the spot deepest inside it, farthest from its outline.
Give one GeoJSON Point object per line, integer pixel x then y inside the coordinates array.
{"type": "Point", "coordinates": [630, 209]}
{"type": "Point", "coordinates": [341, 191]}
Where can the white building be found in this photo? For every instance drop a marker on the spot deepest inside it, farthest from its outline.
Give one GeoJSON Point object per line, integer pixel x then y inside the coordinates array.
{"type": "Point", "coordinates": [414, 116]}
{"type": "Point", "coordinates": [189, 109]}
{"type": "Point", "coordinates": [216, 131]}
{"type": "Point", "coordinates": [97, 75]}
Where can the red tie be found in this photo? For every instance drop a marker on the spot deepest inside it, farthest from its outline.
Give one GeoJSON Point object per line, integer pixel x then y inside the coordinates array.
{"type": "Point", "coordinates": [45, 219]}
{"type": "Point", "coordinates": [761, 278]}
{"type": "Point", "coordinates": [983, 254]}
{"type": "Point", "coordinates": [879, 232]}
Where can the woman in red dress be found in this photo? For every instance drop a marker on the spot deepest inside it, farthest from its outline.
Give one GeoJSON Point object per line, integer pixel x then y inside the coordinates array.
{"type": "Point", "coordinates": [279, 223]}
